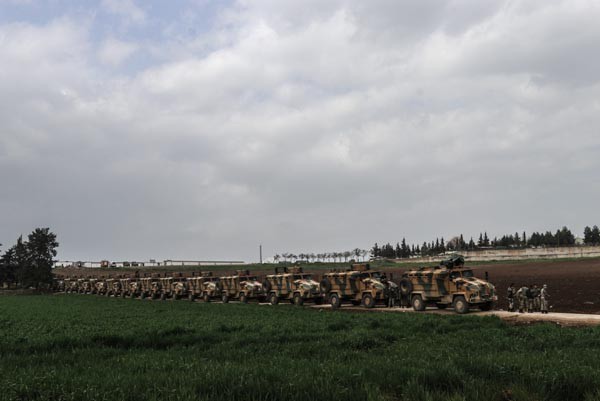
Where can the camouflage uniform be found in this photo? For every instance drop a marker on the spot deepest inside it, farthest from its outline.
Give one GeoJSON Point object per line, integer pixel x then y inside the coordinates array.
{"type": "Point", "coordinates": [529, 294]}
{"type": "Point", "coordinates": [522, 298]}
{"type": "Point", "coordinates": [544, 299]}
{"type": "Point", "coordinates": [511, 298]}
{"type": "Point", "coordinates": [535, 293]}
{"type": "Point", "coordinates": [392, 294]}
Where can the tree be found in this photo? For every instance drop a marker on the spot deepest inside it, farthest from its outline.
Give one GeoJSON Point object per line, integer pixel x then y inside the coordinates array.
{"type": "Point", "coordinates": [41, 248]}
{"type": "Point", "coordinates": [486, 240]}
{"type": "Point", "coordinates": [375, 251]}
{"type": "Point", "coordinates": [595, 235]}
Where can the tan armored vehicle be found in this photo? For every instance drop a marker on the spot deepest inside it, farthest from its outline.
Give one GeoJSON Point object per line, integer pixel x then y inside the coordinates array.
{"type": "Point", "coordinates": [197, 287]}
{"type": "Point", "coordinates": [241, 286]}
{"type": "Point", "coordinates": [149, 287]}
{"type": "Point", "coordinates": [359, 285]}
{"type": "Point", "coordinates": [99, 287]}
{"type": "Point", "coordinates": [71, 285]}
{"type": "Point", "coordinates": [172, 287]}
{"type": "Point", "coordinates": [293, 285]}
{"type": "Point", "coordinates": [83, 286]}
{"type": "Point", "coordinates": [449, 284]}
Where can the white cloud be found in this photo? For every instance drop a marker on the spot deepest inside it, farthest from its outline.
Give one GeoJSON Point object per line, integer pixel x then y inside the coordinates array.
{"type": "Point", "coordinates": [113, 52]}
{"type": "Point", "coordinates": [303, 127]}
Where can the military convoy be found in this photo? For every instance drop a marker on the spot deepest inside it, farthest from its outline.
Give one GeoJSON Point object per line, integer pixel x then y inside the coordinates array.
{"type": "Point", "coordinates": [448, 285]}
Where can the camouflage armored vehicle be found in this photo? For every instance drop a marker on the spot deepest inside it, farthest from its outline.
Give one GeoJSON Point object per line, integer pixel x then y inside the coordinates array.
{"type": "Point", "coordinates": [71, 285]}
{"type": "Point", "coordinates": [83, 286]}
{"type": "Point", "coordinates": [359, 285]}
{"type": "Point", "coordinates": [99, 287]}
{"type": "Point", "coordinates": [241, 286]}
{"type": "Point", "coordinates": [449, 284]}
{"type": "Point", "coordinates": [293, 285]}
{"type": "Point", "coordinates": [172, 287]}
{"type": "Point", "coordinates": [149, 287]}
{"type": "Point", "coordinates": [197, 287]}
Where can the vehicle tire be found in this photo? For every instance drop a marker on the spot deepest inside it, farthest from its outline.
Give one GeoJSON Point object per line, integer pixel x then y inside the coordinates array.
{"type": "Point", "coordinates": [225, 298]}
{"type": "Point", "coordinates": [417, 303]}
{"type": "Point", "coordinates": [273, 299]}
{"type": "Point", "coordinates": [325, 286]}
{"type": "Point", "coordinates": [441, 306]}
{"type": "Point", "coordinates": [486, 306]}
{"type": "Point", "coordinates": [298, 300]}
{"type": "Point", "coordinates": [266, 285]}
{"type": "Point", "coordinates": [368, 301]}
{"type": "Point", "coordinates": [334, 300]}
{"type": "Point", "coordinates": [460, 305]}
{"type": "Point", "coordinates": [243, 298]}
{"type": "Point", "coordinates": [206, 298]}
{"type": "Point", "coordinates": [405, 286]}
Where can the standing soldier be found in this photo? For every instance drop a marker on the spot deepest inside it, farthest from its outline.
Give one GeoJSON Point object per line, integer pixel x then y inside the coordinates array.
{"type": "Point", "coordinates": [535, 292]}
{"type": "Point", "coordinates": [544, 299]}
{"type": "Point", "coordinates": [529, 294]}
{"type": "Point", "coordinates": [511, 297]}
{"type": "Point", "coordinates": [522, 298]}
{"type": "Point", "coordinates": [392, 293]}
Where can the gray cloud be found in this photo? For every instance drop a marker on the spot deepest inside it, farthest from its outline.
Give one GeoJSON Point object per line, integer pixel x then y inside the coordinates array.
{"type": "Point", "coordinates": [304, 127]}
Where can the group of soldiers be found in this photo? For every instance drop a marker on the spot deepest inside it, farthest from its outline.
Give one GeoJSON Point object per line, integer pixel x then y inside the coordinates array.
{"type": "Point", "coordinates": [528, 299]}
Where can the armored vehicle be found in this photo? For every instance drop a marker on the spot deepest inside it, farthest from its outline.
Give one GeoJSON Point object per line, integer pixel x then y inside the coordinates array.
{"type": "Point", "coordinates": [196, 287]}
{"type": "Point", "coordinates": [83, 286]}
{"type": "Point", "coordinates": [172, 287]}
{"type": "Point", "coordinates": [149, 287]}
{"type": "Point", "coordinates": [293, 285]}
{"type": "Point", "coordinates": [449, 284]}
{"type": "Point", "coordinates": [241, 286]}
{"type": "Point", "coordinates": [358, 285]}
{"type": "Point", "coordinates": [99, 287]}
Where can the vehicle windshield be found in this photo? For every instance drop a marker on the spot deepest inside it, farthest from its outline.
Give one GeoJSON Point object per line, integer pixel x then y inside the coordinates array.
{"type": "Point", "coordinates": [467, 273]}
{"type": "Point", "coordinates": [302, 277]}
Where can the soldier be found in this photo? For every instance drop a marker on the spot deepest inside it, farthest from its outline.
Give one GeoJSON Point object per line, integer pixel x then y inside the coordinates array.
{"type": "Point", "coordinates": [511, 297]}
{"type": "Point", "coordinates": [535, 293]}
{"type": "Point", "coordinates": [392, 294]}
{"type": "Point", "coordinates": [529, 294]}
{"type": "Point", "coordinates": [544, 299]}
{"type": "Point", "coordinates": [522, 298]}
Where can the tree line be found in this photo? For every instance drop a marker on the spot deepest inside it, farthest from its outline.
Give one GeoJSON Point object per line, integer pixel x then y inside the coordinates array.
{"type": "Point", "coordinates": [562, 237]}
{"type": "Point", "coordinates": [28, 263]}
{"type": "Point", "coordinates": [342, 256]}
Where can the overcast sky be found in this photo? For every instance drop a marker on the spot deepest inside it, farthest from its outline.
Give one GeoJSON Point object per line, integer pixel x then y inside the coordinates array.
{"type": "Point", "coordinates": [199, 129]}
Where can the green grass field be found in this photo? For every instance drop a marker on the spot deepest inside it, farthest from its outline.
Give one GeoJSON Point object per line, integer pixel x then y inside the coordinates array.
{"type": "Point", "coordinates": [94, 348]}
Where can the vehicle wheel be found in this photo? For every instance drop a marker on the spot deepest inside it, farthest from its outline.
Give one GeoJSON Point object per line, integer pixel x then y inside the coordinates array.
{"type": "Point", "coordinates": [417, 303]}
{"type": "Point", "coordinates": [334, 300]}
{"type": "Point", "coordinates": [325, 286]}
{"type": "Point", "coordinates": [243, 298]}
{"type": "Point", "coordinates": [460, 305]}
{"type": "Point", "coordinates": [206, 298]}
{"type": "Point", "coordinates": [225, 298]}
{"type": "Point", "coordinates": [486, 306]}
{"type": "Point", "coordinates": [405, 286]}
{"type": "Point", "coordinates": [298, 300]}
{"type": "Point", "coordinates": [368, 301]}
{"type": "Point", "coordinates": [273, 299]}
{"type": "Point", "coordinates": [441, 306]}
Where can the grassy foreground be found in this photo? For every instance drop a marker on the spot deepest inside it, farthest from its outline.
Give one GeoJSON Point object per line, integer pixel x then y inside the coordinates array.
{"type": "Point", "coordinates": [93, 348]}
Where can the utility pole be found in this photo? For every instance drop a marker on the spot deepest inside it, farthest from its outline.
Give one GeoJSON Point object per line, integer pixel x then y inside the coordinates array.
{"type": "Point", "coordinates": [260, 253]}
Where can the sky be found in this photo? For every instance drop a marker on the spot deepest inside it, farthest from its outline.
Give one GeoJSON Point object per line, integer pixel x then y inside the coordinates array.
{"type": "Point", "coordinates": [200, 129]}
